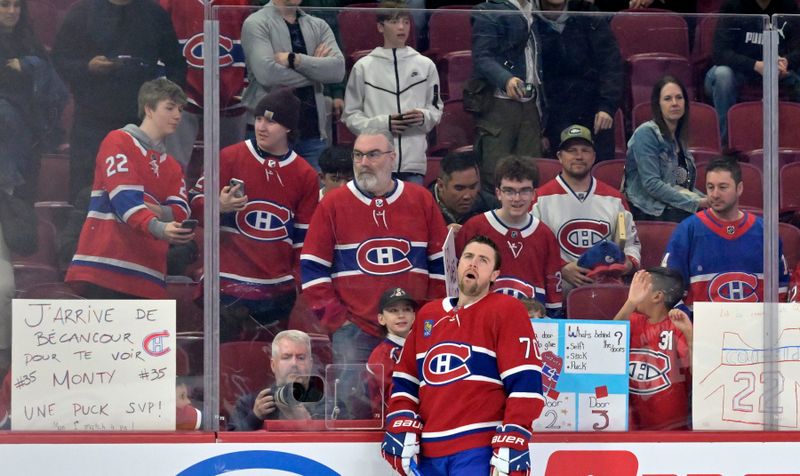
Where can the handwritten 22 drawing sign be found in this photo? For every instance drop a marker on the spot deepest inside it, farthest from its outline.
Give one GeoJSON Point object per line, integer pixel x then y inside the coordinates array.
{"type": "Point", "coordinates": [584, 374]}
{"type": "Point", "coordinates": [93, 365]}
{"type": "Point", "coordinates": [737, 381]}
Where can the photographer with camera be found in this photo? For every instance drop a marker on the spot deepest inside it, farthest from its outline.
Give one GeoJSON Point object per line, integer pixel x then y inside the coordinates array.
{"type": "Point", "coordinates": [294, 396]}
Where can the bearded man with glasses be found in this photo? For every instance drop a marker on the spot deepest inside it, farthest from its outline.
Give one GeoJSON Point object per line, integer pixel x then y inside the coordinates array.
{"type": "Point", "coordinates": [374, 233]}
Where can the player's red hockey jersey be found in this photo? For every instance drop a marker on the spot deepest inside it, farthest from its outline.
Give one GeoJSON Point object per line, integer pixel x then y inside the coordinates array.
{"type": "Point", "coordinates": [259, 246]}
{"type": "Point", "coordinates": [187, 18]}
{"type": "Point", "coordinates": [464, 371]}
{"type": "Point", "coordinates": [381, 365]}
{"type": "Point", "coordinates": [359, 245]}
{"type": "Point", "coordinates": [531, 262]}
{"type": "Point", "coordinates": [660, 377]}
{"type": "Point", "coordinates": [116, 250]}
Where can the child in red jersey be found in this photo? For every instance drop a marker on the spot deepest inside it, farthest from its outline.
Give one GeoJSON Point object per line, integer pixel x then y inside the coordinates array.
{"type": "Point", "coordinates": [661, 345]}
{"type": "Point", "coordinates": [396, 314]}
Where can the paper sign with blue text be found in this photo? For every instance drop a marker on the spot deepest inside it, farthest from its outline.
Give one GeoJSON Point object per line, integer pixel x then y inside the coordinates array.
{"type": "Point", "coordinates": [584, 374]}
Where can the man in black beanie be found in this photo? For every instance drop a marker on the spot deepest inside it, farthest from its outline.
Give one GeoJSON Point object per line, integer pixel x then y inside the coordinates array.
{"type": "Point", "coordinates": [268, 196]}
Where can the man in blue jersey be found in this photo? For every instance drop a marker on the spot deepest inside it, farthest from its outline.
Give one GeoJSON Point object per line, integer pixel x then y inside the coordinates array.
{"type": "Point", "coordinates": [719, 250]}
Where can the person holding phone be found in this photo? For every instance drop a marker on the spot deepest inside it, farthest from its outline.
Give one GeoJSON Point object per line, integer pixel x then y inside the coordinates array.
{"type": "Point", "coordinates": [396, 87]}
{"type": "Point", "coordinates": [504, 93]}
{"type": "Point", "coordinates": [264, 226]}
{"type": "Point", "coordinates": [138, 203]}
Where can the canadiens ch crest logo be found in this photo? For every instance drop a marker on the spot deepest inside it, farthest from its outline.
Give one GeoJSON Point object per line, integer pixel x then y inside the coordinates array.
{"type": "Point", "coordinates": [648, 371]}
{"type": "Point", "coordinates": [446, 363]}
{"type": "Point", "coordinates": [228, 50]}
{"type": "Point", "coordinates": [264, 221]}
{"type": "Point", "coordinates": [735, 286]}
{"type": "Point", "coordinates": [577, 236]}
{"type": "Point", "coordinates": [514, 287]}
{"type": "Point", "coordinates": [384, 256]}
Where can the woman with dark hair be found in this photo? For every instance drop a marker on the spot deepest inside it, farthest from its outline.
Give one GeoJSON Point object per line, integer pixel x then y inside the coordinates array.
{"type": "Point", "coordinates": [660, 172]}
{"type": "Point", "coordinates": [22, 58]}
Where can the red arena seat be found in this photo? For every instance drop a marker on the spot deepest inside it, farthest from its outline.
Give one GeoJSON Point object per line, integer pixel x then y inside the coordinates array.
{"type": "Point", "coordinates": [789, 196]}
{"type": "Point", "coordinates": [455, 69]}
{"type": "Point", "coordinates": [449, 31]}
{"type": "Point", "coordinates": [596, 301]}
{"type": "Point", "coordinates": [456, 129]}
{"type": "Point", "coordinates": [28, 275]}
{"type": "Point", "coordinates": [644, 31]}
{"type": "Point", "coordinates": [185, 292]}
{"type": "Point", "coordinates": [432, 171]}
{"type": "Point", "coordinates": [244, 367]}
{"type": "Point", "coordinates": [46, 254]}
{"type": "Point", "coordinates": [654, 236]}
{"type": "Point", "coordinates": [548, 169]}
{"type": "Point", "coordinates": [53, 180]}
{"type": "Point", "coordinates": [790, 237]}
{"type": "Point", "coordinates": [746, 125]}
{"type": "Point", "coordinates": [610, 172]}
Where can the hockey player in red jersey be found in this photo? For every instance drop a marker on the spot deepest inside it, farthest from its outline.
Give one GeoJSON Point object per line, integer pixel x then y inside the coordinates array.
{"type": "Point", "coordinates": [468, 385]}
{"type": "Point", "coordinates": [396, 314]}
{"type": "Point", "coordinates": [138, 204]}
{"type": "Point", "coordinates": [265, 213]}
{"type": "Point", "coordinates": [661, 351]}
{"type": "Point", "coordinates": [531, 258]}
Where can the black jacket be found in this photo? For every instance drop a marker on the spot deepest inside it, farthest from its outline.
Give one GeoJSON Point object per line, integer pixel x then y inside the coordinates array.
{"type": "Point", "coordinates": [582, 64]}
{"type": "Point", "coordinates": [738, 40]}
{"type": "Point", "coordinates": [140, 30]}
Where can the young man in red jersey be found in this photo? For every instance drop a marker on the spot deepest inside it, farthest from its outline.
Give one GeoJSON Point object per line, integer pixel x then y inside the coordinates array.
{"type": "Point", "coordinates": [138, 204]}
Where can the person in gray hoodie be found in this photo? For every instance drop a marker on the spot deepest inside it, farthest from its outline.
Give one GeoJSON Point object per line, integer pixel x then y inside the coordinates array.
{"type": "Point", "coordinates": [395, 88]}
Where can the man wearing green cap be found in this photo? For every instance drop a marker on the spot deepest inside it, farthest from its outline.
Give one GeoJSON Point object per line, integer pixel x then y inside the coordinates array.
{"type": "Point", "coordinates": [583, 211]}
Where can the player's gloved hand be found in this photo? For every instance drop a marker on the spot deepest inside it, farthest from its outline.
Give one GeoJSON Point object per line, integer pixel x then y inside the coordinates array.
{"type": "Point", "coordinates": [401, 441]}
{"type": "Point", "coordinates": [510, 455]}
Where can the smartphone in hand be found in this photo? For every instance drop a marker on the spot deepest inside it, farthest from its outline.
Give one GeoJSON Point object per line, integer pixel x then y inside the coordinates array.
{"type": "Point", "coordinates": [240, 192]}
{"type": "Point", "coordinates": [189, 224]}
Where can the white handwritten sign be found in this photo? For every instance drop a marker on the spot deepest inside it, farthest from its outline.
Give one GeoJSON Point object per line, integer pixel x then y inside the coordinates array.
{"type": "Point", "coordinates": [584, 374]}
{"type": "Point", "coordinates": [450, 264]}
{"type": "Point", "coordinates": [93, 365]}
{"type": "Point", "coordinates": [730, 379]}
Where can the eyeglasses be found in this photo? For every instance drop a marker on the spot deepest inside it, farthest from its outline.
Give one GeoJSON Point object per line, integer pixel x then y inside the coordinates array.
{"type": "Point", "coordinates": [358, 156]}
{"type": "Point", "coordinates": [509, 192]}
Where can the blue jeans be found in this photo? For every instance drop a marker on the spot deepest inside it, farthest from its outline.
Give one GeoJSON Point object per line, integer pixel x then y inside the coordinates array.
{"type": "Point", "coordinates": [311, 149]}
{"type": "Point", "coordinates": [352, 346]}
{"type": "Point", "coordinates": [464, 463]}
{"type": "Point", "coordinates": [722, 84]}
{"type": "Point", "coordinates": [16, 146]}
{"type": "Point", "coordinates": [409, 177]}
